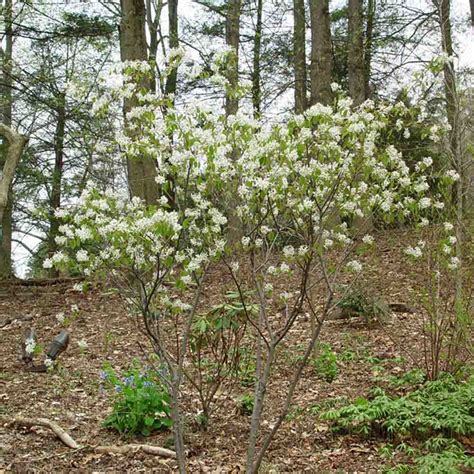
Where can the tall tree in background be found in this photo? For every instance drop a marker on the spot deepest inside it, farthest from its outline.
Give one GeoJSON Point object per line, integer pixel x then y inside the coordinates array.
{"type": "Point", "coordinates": [369, 36]}
{"type": "Point", "coordinates": [355, 57]}
{"type": "Point", "coordinates": [232, 37]}
{"type": "Point", "coordinates": [171, 80]}
{"type": "Point", "coordinates": [6, 111]}
{"type": "Point", "coordinates": [153, 18]}
{"type": "Point", "coordinates": [299, 55]}
{"type": "Point", "coordinates": [133, 47]}
{"type": "Point", "coordinates": [443, 8]}
{"type": "Point", "coordinates": [321, 52]}
{"type": "Point", "coordinates": [257, 52]}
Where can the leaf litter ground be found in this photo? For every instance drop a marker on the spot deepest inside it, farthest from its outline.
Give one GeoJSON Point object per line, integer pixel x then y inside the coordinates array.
{"type": "Point", "coordinates": [71, 395]}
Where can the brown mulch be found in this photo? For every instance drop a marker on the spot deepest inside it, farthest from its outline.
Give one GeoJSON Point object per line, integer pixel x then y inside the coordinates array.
{"type": "Point", "coordinates": [71, 395]}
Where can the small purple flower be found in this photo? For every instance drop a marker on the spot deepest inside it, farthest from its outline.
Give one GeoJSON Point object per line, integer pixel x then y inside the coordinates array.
{"type": "Point", "coordinates": [128, 380]}
{"type": "Point", "coordinates": [118, 388]}
{"type": "Point", "coordinates": [103, 375]}
{"type": "Point", "coordinates": [147, 383]}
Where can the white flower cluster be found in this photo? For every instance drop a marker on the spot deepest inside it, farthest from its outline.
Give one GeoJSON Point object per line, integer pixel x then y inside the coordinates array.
{"type": "Point", "coordinates": [30, 345]}
{"type": "Point", "coordinates": [286, 183]}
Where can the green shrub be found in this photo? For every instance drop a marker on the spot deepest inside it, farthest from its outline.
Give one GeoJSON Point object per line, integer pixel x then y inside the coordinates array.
{"type": "Point", "coordinates": [141, 404]}
{"type": "Point", "coordinates": [358, 302]}
{"type": "Point", "coordinates": [325, 363]}
{"type": "Point", "coordinates": [246, 404]}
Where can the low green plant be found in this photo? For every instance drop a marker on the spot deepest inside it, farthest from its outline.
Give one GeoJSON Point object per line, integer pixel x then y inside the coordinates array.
{"type": "Point", "coordinates": [411, 377]}
{"type": "Point", "coordinates": [443, 455]}
{"type": "Point", "coordinates": [359, 302]}
{"type": "Point", "coordinates": [141, 405]}
{"type": "Point", "coordinates": [438, 412]}
{"type": "Point", "coordinates": [325, 362]}
{"type": "Point", "coordinates": [441, 406]}
{"type": "Point", "coordinates": [247, 367]}
{"type": "Point", "coordinates": [328, 403]}
{"type": "Point", "coordinates": [246, 404]}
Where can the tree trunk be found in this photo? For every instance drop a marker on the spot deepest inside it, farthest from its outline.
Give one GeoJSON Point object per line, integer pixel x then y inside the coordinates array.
{"type": "Point", "coordinates": [257, 47]}
{"type": "Point", "coordinates": [133, 47]}
{"type": "Point", "coordinates": [15, 143]}
{"type": "Point", "coordinates": [55, 196]}
{"type": "Point", "coordinates": [369, 34]}
{"type": "Point", "coordinates": [232, 37]}
{"type": "Point", "coordinates": [471, 2]}
{"type": "Point", "coordinates": [171, 81]}
{"type": "Point", "coordinates": [153, 30]}
{"type": "Point", "coordinates": [7, 102]}
{"type": "Point", "coordinates": [453, 115]}
{"type": "Point", "coordinates": [321, 52]}
{"type": "Point", "coordinates": [355, 57]}
{"type": "Point", "coordinates": [299, 55]}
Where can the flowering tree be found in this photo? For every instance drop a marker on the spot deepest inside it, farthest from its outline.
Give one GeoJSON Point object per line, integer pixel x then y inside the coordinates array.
{"type": "Point", "coordinates": [298, 189]}
{"type": "Point", "coordinates": [302, 187]}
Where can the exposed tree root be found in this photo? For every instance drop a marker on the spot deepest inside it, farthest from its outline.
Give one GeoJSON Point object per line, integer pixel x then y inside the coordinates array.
{"type": "Point", "coordinates": [71, 443]}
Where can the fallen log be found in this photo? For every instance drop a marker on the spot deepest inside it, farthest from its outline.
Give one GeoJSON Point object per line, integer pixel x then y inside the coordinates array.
{"type": "Point", "coordinates": [71, 443]}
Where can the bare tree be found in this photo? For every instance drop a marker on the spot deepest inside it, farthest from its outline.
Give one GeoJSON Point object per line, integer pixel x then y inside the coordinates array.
{"type": "Point", "coordinates": [321, 52]}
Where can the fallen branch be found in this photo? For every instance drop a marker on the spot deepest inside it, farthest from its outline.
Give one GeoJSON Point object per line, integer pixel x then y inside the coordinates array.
{"type": "Point", "coordinates": [71, 443]}
{"type": "Point", "coordinates": [54, 427]}
{"type": "Point", "coordinates": [132, 448]}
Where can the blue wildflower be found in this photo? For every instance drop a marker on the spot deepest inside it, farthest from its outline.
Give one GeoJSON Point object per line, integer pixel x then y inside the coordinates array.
{"type": "Point", "coordinates": [118, 388]}
{"type": "Point", "coordinates": [103, 375]}
{"type": "Point", "coordinates": [147, 383]}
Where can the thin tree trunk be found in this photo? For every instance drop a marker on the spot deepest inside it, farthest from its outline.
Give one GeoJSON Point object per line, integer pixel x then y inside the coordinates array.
{"type": "Point", "coordinates": [178, 425]}
{"type": "Point", "coordinates": [321, 52]}
{"type": "Point", "coordinates": [369, 34]}
{"type": "Point", "coordinates": [257, 47]}
{"type": "Point", "coordinates": [260, 393]}
{"type": "Point", "coordinates": [453, 115]}
{"type": "Point", "coordinates": [7, 103]}
{"type": "Point", "coordinates": [355, 57]}
{"type": "Point", "coordinates": [55, 196]}
{"type": "Point", "coordinates": [153, 30]}
{"type": "Point", "coordinates": [299, 55]}
{"type": "Point", "coordinates": [133, 46]}
{"type": "Point", "coordinates": [232, 36]}
{"type": "Point", "coordinates": [171, 81]}
{"type": "Point", "coordinates": [471, 2]}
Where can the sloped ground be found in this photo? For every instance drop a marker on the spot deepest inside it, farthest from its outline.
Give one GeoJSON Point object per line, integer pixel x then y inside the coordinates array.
{"type": "Point", "coordinates": [71, 395]}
